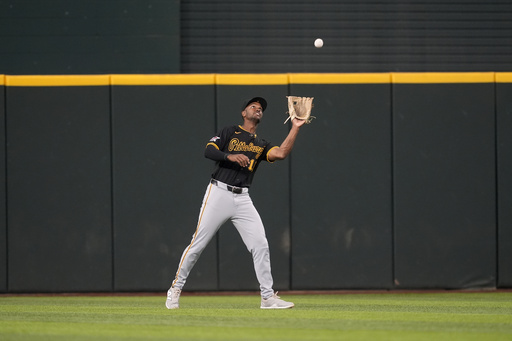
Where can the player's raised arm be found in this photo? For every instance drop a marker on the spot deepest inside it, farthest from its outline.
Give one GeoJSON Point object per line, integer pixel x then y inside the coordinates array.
{"type": "Point", "coordinates": [281, 152]}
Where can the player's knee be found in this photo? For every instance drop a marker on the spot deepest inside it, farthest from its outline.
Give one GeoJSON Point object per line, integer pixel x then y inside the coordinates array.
{"type": "Point", "coordinates": [260, 247]}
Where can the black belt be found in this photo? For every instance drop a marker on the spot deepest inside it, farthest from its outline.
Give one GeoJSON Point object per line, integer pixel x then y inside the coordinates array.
{"type": "Point", "coordinates": [234, 189]}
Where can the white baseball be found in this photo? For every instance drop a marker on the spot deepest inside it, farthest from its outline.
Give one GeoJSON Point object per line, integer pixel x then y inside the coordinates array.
{"type": "Point", "coordinates": [319, 43]}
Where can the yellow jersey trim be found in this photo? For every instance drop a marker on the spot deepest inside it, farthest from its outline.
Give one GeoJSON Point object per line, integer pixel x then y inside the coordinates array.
{"type": "Point", "coordinates": [269, 153]}
{"type": "Point", "coordinates": [246, 130]}
{"type": "Point", "coordinates": [212, 144]}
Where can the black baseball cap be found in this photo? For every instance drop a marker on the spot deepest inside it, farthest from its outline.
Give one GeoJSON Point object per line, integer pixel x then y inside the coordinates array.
{"type": "Point", "coordinates": [259, 100]}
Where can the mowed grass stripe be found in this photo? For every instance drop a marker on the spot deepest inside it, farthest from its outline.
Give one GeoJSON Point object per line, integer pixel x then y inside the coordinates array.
{"type": "Point", "coordinates": [86, 331]}
{"type": "Point", "coordinates": [466, 316]}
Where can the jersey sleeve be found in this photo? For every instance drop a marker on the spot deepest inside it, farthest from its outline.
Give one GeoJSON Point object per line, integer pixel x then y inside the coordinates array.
{"type": "Point", "coordinates": [268, 148]}
{"type": "Point", "coordinates": [215, 147]}
{"type": "Point", "coordinates": [212, 152]}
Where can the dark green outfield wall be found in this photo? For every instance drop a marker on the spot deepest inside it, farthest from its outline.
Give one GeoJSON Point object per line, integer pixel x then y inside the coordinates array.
{"type": "Point", "coordinates": [249, 36]}
{"type": "Point", "coordinates": [89, 37]}
{"type": "Point", "coordinates": [341, 189]}
{"type": "Point", "coordinates": [59, 203]}
{"type": "Point", "coordinates": [444, 165]}
{"type": "Point", "coordinates": [401, 182]}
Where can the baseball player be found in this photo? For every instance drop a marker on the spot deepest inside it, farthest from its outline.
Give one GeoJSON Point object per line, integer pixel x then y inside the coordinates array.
{"type": "Point", "coordinates": [238, 151]}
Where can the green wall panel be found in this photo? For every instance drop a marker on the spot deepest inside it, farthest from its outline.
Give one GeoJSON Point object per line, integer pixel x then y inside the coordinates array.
{"type": "Point", "coordinates": [160, 175]}
{"type": "Point", "coordinates": [59, 189]}
{"type": "Point", "coordinates": [444, 185]}
{"type": "Point", "coordinates": [504, 182]}
{"type": "Point", "coordinates": [341, 189]}
{"type": "Point", "coordinates": [3, 198]}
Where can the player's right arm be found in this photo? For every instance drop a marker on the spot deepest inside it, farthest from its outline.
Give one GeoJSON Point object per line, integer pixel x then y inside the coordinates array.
{"type": "Point", "coordinates": [213, 150]}
{"type": "Point", "coordinates": [213, 153]}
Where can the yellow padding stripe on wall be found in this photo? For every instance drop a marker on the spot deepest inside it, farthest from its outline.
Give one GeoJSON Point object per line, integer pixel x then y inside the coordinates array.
{"type": "Point", "coordinates": [252, 79]}
{"type": "Point", "coordinates": [62, 80]}
{"type": "Point", "coordinates": [339, 78]}
{"type": "Point", "coordinates": [504, 77]}
{"type": "Point", "coordinates": [257, 79]}
{"type": "Point", "coordinates": [164, 79]}
{"type": "Point", "coordinates": [442, 77]}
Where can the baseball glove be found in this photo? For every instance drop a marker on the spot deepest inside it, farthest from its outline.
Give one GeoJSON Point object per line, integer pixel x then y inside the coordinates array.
{"type": "Point", "coordinates": [300, 107]}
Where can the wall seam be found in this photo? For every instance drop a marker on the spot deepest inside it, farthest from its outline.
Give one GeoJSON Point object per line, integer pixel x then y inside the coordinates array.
{"type": "Point", "coordinates": [112, 215]}
{"type": "Point", "coordinates": [496, 172]}
{"type": "Point", "coordinates": [215, 125]}
{"type": "Point", "coordinates": [392, 179]}
{"type": "Point", "coordinates": [290, 210]}
{"type": "Point", "coordinates": [6, 191]}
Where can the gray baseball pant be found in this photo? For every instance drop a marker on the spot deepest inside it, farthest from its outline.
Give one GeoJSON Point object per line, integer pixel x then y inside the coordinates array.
{"type": "Point", "coordinates": [219, 205]}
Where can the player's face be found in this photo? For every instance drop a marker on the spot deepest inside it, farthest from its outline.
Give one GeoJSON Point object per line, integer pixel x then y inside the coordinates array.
{"type": "Point", "coordinates": [254, 112]}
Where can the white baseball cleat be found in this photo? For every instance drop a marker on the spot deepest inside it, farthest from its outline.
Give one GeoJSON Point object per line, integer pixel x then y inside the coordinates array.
{"type": "Point", "coordinates": [274, 302]}
{"type": "Point", "coordinates": [173, 298]}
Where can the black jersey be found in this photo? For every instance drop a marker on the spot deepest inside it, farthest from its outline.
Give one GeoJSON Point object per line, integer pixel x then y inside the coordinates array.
{"type": "Point", "coordinates": [236, 140]}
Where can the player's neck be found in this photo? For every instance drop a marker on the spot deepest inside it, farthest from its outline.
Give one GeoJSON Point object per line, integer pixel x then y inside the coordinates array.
{"type": "Point", "coordinates": [250, 126]}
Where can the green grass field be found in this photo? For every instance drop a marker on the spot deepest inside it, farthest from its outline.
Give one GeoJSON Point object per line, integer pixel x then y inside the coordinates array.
{"type": "Point", "coordinates": [386, 316]}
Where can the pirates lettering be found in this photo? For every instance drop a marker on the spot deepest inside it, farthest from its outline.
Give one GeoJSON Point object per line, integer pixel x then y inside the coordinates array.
{"type": "Point", "coordinates": [235, 145]}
